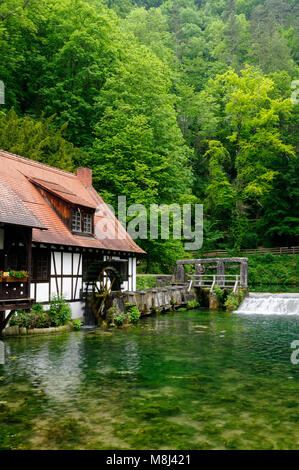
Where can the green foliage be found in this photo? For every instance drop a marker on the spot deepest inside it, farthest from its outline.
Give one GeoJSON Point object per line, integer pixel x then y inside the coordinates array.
{"type": "Point", "coordinates": [240, 165]}
{"type": "Point", "coordinates": [37, 139]}
{"type": "Point", "coordinates": [219, 292]}
{"type": "Point", "coordinates": [268, 269]}
{"type": "Point", "coordinates": [232, 301]}
{"type": "Point", "coordinates": [33, 319]}
{"type": "Point", "coordinates": [37, 308]}
{"type": "Point", "coordinates": [132, 312]}
{"type": "Point", "coordinates": [192, 304]}
{"type": "Point", "coordinates": [145, 282]}
{"type": "Point", "coordinates": [43, 319]}
{"type": "Point", "coordinates": [167, 101]}
{"type": "Point", "coordinates": [77, 324]}
{"type": "Point", "coordinates": [119, 319]}
{"type": "Point", "coordinates": [60, 311]}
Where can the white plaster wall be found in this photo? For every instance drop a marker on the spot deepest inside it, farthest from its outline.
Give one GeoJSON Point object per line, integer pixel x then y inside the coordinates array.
{"type": "Point", "coordinates": [67, 288]}
{"type": "Point", "coordinates": [42, 292]}
{"type": "Point", "coordinates": [57, 256]}
{"type": "Point", "coordinates": [77, 309]}
{"type": "Point", "coordinates": [134, 264]}
{"type": "Point", "coordinates": [125, 286]}
{"type": "Point", "coordinates": [130, 274]}
{"type": "Point", "coordinates": [79, 285]}
{"type": "Point", "coordinates": [76, 261]}
{"type": "Point", "coordinates": [53, 287]}
{"type": "Point", "coordinates": [67, 263]}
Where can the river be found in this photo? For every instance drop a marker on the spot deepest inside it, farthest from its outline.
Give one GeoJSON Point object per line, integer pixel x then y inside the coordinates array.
{"type": "Point", "coordinates": [182, 380]}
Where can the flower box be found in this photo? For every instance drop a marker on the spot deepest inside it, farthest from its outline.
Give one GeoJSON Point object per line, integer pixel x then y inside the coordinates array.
{"type": "Point", "coordinates": [14, 276]}
{"type": "Point", "coordinates": [12, 279]}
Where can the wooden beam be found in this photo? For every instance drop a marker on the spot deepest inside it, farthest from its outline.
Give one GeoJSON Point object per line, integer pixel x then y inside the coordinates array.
{"type": "Point", "coordinates": [5, 321]}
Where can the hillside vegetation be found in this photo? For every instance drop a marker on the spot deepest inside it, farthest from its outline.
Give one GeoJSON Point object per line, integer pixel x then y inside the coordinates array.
{"type": "Point", "coordinates": [176, 101]}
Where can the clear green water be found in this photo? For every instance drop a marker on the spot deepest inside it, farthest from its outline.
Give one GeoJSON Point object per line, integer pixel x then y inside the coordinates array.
{"type": "Point", "coordinates": [184, 380]}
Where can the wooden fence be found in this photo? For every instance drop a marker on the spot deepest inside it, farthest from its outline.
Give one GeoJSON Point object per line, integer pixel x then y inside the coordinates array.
{"type": "Point", "coordinates": [282, 250]}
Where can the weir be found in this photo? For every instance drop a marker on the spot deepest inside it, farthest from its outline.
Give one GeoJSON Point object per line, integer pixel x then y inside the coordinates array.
{"type": "Point", "coordinates": [270, 304]}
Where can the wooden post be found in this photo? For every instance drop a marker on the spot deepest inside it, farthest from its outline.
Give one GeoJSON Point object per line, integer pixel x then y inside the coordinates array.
{"type": "Point", "coordinates": [244, 273]}
{"type": "Point", "coordinates": [29, 258]}
{"type": "Point", "coordinates": [220, 273]}
{"type": "Point", "coordinates": [5, 321]}
{"type": "Point", "coordinates": [197, 273]}
{"type": "Point", "coordinates": [180, 273]}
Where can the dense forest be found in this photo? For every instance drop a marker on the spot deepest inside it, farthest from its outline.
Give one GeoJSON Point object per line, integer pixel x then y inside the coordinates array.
{"type": "Point", "coordinates": [167, 101]}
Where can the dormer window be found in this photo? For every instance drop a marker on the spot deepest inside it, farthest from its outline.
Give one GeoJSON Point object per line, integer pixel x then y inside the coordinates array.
{"type": "Point", "coordinates": [87, 223]}
{"type": "Point", "coordinates": [76, 221]}
{"type": "Point", "coordinates": [82, 221]}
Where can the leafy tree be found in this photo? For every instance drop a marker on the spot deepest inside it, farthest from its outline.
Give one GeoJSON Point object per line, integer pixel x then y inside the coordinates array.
{"type": "Point", "coordinates": [139, 149]}
{"type": "Point", "coordinates": [37, 140]}
{"type": "Point", "coordinates": [241, 163]}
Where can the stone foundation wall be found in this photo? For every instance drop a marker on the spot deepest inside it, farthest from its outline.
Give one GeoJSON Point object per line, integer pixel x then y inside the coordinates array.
{"type": "Point", "coordinates": [154, 300]}
{"type": "Point", "coordinates": [16, 331]}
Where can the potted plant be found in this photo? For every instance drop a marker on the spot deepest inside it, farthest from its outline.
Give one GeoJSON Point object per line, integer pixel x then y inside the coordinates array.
{"type": "Point", "coordinates": [14, 276]}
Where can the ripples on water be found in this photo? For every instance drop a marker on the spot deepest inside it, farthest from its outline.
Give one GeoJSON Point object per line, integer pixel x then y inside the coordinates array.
{"type": "Point", "coordinates": [184, 380]}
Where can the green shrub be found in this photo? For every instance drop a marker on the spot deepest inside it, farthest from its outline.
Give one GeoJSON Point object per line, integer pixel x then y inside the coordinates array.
{"type": "Point", "coordinates": [132, 312]}
{"type": "Point", "coordinates": [60, 311]}
{"type": "Point", "coordinates": [232, 302]}
{"type": "Point", "coordinates": [271, 269]}
{"type": "Point", "coordinates": [110, 315]}
{"type": "Point", "coordinates": [37, 308]}
{"type": "Point", "coordinates": [77, 324]}
{"type": "Point", "coordinates": [268, 258]}
{"type": "Point", "coordinates": [219, 292]}
{"type": "Point", "coordinates": [192, 304]}
{"type": "Point", "coordinates": [58, 315]}
{"type": "Point", "coordinates": [119, 319]}
{"type": "Point", "coordinates": [145, 282]}
{"type": "Point", "coordinates": [14, 320]}
{"type": "Point", "coordinates": [22, 319]}
{"type": "Point", "coordinates": [30, 320]}
{"type": "Point", "coordinates": [43, 320]}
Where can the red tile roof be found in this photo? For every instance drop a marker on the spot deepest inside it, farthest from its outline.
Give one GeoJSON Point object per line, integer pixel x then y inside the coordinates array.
{"type": "Point", "coordinates": [13, 211]}
{"type": "Point", "coordinates": [63, 193]}
{"type": "Point", "coordinates": [21, 176]}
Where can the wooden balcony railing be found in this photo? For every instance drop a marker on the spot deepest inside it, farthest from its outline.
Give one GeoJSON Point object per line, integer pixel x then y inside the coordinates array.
{"type": "Point", "coordinates": [14, 289]}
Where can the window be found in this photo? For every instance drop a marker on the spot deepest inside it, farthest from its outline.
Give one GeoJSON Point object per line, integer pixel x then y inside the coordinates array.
{"type": "Point", "coordinates": [17, 258]}
{"type": "Point", "coordinates": [87, 223]}
{"type": "Point", "coordinates": [76, 221]}
{"type": "Point", "coordinates": [82, 221]}
{"type": "Point", "coordinates": [40, 265]}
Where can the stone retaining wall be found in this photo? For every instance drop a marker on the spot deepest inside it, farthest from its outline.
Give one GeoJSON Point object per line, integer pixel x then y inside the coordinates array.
{"type": "Point", "coordinates": [154, 300]}
{"type": "Point", "coordinates": [17, 331]}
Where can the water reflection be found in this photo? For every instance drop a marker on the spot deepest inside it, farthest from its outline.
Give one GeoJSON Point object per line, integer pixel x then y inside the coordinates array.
{"type": "Point", "coordinates": [182, 380]}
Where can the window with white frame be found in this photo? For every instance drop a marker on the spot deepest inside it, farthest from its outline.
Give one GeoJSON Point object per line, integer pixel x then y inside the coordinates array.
{"type": "Point", "coordinates": [82, 221]}
{"type": "Point", "coordinates": [76, 221]}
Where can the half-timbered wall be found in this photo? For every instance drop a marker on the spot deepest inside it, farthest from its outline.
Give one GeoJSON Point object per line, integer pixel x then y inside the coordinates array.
{"type": "Point", "coordinates": [66, 279]}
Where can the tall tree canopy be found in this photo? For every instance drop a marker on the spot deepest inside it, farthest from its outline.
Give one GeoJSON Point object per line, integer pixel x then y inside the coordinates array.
{"type": "Point", "coordinates": [168, 101]}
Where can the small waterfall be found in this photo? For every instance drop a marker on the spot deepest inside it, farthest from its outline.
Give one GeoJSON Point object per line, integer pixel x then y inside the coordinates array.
{"type": "Point", "coordinates": [270, 304]}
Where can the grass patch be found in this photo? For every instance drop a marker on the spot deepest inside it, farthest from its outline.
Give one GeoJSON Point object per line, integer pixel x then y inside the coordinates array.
{"type": "Point", "coordinates": [145, 282]}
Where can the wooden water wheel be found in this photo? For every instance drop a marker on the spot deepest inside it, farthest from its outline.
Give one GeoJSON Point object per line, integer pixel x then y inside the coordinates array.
{"type": "Point", "coordinates": [107, 282]}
